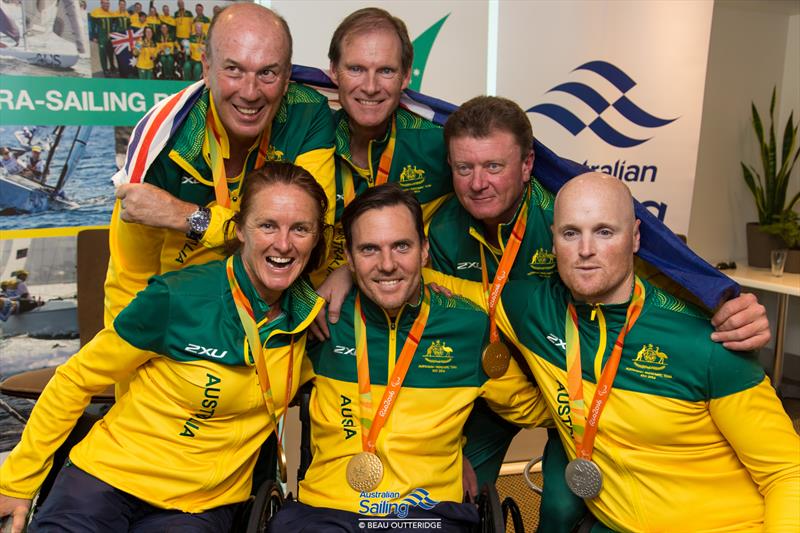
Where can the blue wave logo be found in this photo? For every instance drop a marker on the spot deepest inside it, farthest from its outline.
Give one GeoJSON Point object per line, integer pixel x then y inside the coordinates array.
{"type": "Point", "coordinates": [586, 94]}
{"type": "Point", "coordinates": [420, 498]}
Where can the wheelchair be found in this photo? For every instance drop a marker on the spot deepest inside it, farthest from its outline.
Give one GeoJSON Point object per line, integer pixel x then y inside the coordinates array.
{"type": "Point", "coordinates": [254, 515]}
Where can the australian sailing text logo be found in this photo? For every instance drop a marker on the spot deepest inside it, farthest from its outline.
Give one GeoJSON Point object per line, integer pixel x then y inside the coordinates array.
{"type": "Point", "coordinates": [389, 503]}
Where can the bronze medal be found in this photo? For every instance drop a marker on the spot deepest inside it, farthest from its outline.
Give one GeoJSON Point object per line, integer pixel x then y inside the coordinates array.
{"type": "Point", "coordinates": [364, 471]}
{"type": "Point", "coordinates": [584, 478]}
{"type": "Point", "coordinates": [495, 359]}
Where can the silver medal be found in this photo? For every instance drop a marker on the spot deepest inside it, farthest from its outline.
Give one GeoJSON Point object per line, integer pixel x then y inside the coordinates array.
{"type": "Point", "coordinates": [584, 478]}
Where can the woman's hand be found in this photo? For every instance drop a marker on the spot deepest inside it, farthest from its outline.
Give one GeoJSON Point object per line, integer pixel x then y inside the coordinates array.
{"type": "Point", "coordinates": [16, 509]}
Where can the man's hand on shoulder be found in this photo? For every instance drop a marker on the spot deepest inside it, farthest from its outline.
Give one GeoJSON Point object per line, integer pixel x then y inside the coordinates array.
{"type": "Point", "coordinates": [741, 324]}
{"type": "Point", "coordinates": [147, 204]}
{"type": "Point", "coordinates": [334, 291]}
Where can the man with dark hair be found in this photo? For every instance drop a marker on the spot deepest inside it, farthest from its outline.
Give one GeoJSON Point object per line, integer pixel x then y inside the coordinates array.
{"type": "Point", "coordinates": [418, 351]}
{"type": "Point", "coordinates": [201, 18]}
{"type": "Point", "coordinates": [376, 140]}
{"type": "Point", "coordinates": [656, 418]}
{"type": "Point", "coordinates": [173, 206]}
{"type": "Point", "coordinates": [497, 228]}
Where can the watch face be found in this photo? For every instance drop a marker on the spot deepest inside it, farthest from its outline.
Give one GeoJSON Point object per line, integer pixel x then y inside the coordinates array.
{"type": "Point", "coordinates": [199, 221]}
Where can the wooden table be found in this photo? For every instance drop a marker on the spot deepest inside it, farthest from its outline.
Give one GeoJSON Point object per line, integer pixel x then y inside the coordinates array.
{"type": "Point", "coordinates": [784, 286]}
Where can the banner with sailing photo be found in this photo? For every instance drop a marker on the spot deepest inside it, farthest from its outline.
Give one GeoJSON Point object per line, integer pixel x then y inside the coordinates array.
{"type": "Point", "coordinates": [156, 40]}
{"type": "Point", "coordinates": [55, 176]}
{"type": "Point", "coordinates": [43, 36]}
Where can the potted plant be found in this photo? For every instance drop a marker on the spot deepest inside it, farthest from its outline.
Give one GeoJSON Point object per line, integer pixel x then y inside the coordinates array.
{"type": "Point", "coordinates": [778, 224]}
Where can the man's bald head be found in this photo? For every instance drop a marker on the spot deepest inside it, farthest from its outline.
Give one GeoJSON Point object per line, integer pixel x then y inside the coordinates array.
{"type": "Point", "coordinates": [249, 17]}
{"type": "Point", "coordinates": [595, 235]}
{"type": "Point", "coordinates": [605, 188]}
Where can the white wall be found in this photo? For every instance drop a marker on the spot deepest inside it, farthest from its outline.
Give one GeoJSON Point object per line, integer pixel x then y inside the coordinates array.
{"type": "Point", "coordinates": [754, 46]}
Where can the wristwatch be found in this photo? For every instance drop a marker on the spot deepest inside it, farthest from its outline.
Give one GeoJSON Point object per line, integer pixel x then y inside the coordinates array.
{"type": "Point", "coordinates": [198, 222]}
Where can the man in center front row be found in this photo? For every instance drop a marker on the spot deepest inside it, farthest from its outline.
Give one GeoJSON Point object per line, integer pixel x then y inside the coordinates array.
{"type": "Point", "coordinates": [394, 385]}
{"type": "Point", "coordinates": [665, 429]}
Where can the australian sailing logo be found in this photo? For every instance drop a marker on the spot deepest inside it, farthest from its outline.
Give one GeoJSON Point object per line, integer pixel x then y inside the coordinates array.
{"type": "Point", "coordinates": [623, 105]}
{"type": "Point", "coordinates": [388, 502]}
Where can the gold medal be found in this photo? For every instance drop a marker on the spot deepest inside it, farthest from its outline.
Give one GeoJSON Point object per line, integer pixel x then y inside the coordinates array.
{"type": "Point", "coordinates": [282, 470]}
{"type": "Point", "coordinates": [364, 471]}
{"type": "Point", "coordinates": [495, 359]}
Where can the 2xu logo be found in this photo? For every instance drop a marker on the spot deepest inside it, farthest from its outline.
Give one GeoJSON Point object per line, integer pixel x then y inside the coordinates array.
{"type": "Point", "coordinates": [205, 352]}
{"type": "Point", "coordinates": [344, 350]}
{"type": "Point", "coordinates": [589, 96]}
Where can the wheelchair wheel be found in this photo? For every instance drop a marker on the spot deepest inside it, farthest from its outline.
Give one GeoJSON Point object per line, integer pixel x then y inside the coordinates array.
{"type": "Point", "coordinates": [490, 510]}
{"type": "Point", "coordinates": [267, 502]}
{"type": "Point", "coordinates": [510, 507]}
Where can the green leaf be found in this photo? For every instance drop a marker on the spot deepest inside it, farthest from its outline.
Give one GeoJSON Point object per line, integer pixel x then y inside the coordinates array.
{"type": "Point", "coordinates": [754, 184]}
{"type": "Point", "coordinates": [772, 105]}
{"type": "Point", "coordinates": [757, 125]}
{"type": "Point", "coordinates": [770, 175]}
{"type": "Point", "coordinates": [770, 188]}
{"type": "Point", "coordinates": [789, 137]}
{"type": "Point", "coordinates": [793, 201]}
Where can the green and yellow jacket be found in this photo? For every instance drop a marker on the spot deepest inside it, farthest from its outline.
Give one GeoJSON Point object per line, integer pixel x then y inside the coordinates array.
{"type": "Point", "coordinates": [693, 437]}
{"type": "Point", "coordinates": [456, 239]}
{"type": "Point", "coordinates": [420, 445]}
{"type": "Point", "coordinates": [188, 431]}
{"type": "Point", "coordinates": [101, 23]}
{"type": "Point", "coordinates": [302, 132]}
{"type": "Point", "coordinates": [419, 165]}
{"type": "Point", "coordinates": [183, 23]}
{"type": "Point", "coordinates": [122, 21]}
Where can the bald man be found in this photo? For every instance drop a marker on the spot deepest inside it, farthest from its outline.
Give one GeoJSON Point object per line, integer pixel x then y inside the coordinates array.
{"type": "Point", "coordinates": [247, 113]}
{"type": "Point", "coordinates": [656, 418]}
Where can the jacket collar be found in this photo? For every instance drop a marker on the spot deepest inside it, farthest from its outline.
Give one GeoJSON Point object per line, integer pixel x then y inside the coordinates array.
{"type": "Point", "coordinates": [614, 314]}
{"type": "Point", "coordinates": [477, 230]}
{"type": "Point", "coordinates": [342, 122]}
{"type": "Point", "coordinates": [377, 317]}
{"type": "Point", "coordinates": [299, 303]}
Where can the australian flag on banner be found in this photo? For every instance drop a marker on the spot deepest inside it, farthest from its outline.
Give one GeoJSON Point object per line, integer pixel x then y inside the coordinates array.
{"type": "Point", "coordinates": [124, 43]}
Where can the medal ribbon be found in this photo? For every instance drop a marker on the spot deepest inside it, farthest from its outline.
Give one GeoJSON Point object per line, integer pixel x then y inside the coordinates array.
{"type": "Point", "coordinates": [374, 425]}
{"type": "Point", "coordinates": [219, 150]}
{"type": "Point", "coordinates": [584, 430]}
{"type": "Point", "coordinates": [504, 268]}
{"type": "Point", "coordinates": [250, 327]}
{"type": "Point", "coordinates": [348, 185]}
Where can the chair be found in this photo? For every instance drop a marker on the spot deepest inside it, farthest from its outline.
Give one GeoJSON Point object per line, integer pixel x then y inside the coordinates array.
{"type": "Point", "coordinates": [92, 265]}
